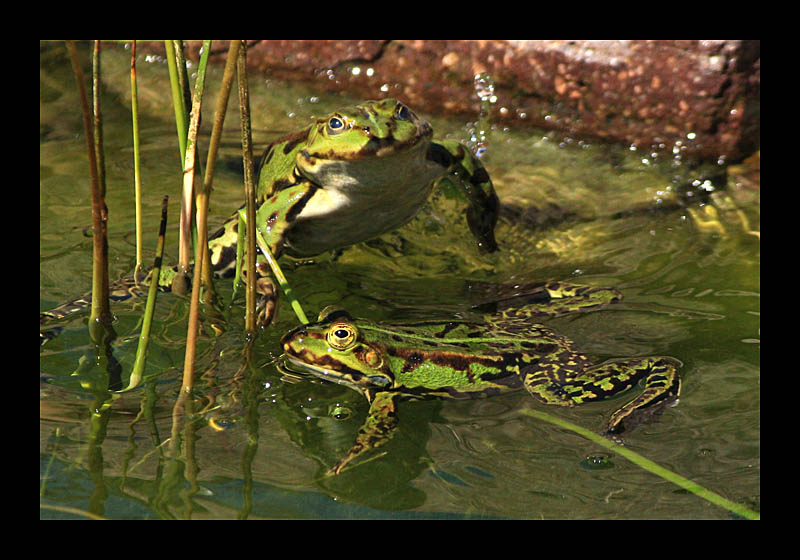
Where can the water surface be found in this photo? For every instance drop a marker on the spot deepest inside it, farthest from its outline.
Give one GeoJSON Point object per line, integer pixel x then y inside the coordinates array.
{"type": "Point", "coordinates": [259, 446]}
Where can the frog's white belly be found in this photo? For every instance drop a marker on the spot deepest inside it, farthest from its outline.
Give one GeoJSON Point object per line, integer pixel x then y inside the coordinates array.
{"type": "Point", "coordinates": [361, 201]}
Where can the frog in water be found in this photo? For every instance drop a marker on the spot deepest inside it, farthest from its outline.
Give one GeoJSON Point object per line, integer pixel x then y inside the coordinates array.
{"type": "Point", "coordinates": [353, 175]}
{"type": "Point", "coordinates": [456, 360]}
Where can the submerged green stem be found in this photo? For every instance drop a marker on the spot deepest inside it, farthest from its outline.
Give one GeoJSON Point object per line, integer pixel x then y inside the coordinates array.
{"type": "Point", "coordinates": [144, 338]}
{"type": "Point", "coordinates": [648, 465]}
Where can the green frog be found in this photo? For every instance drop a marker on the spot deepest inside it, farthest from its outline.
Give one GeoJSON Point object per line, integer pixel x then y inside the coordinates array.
{"type": "Point", "coordinates": [457, 360]}
{"type": "Point", "coordinates": [351, 176]}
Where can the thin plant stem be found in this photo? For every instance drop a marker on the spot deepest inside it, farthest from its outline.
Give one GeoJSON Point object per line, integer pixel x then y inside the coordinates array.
{"type": "Point", "coordinates": [213, 148]}
{"type": "Point", "coordinates": [183, 74]}
{"type": "Point", "coordinates": [101, 311]}
{"type": "Point", "coordinates": [98, 119]}
{"type": "Point", "coordinates": [249, 192]}
{"type": "Point", "coordinates": [185, 248]}
{"type": "Point", "coordinates": [177, 68]}
{"type": "Point", "coordinates": [276, 270]}
{"type": "Point", "coordinates": [181, 120]}
{"type": "Point", "coordinates": [144, 338]}
{"type": "Point", "coordinates": [137, 176]}
{"type": "Point", "coordinates": [99, 208]}
{"type": "Point", "coordinates": [647, 465]}
{"type": "Point", "coordinates": [200, 252]}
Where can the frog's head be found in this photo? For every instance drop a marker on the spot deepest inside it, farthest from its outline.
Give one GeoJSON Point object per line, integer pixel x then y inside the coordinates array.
{"type": "Point", "coordinates": [333, 349]}
{"type": "Point", "coordinates": [372, 130]}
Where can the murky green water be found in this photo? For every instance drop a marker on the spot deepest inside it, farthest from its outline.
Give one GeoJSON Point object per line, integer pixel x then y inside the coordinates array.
{"type": "Point", "coordinates": [594, 214]}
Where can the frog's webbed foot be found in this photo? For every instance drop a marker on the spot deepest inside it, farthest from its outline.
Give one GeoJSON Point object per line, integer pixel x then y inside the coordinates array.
{"type": "Point", "coordinates": [378, 428]}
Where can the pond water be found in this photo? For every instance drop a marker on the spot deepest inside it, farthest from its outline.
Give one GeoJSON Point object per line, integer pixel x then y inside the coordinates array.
{"type": "Point", "coordinates": [258, 446]}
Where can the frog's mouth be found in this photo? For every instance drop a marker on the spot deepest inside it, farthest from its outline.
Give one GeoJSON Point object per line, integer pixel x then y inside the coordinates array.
{"type": "Point", "coordinates": [292, 366]}
{"type": "Point", "coordinates": [288, 364]}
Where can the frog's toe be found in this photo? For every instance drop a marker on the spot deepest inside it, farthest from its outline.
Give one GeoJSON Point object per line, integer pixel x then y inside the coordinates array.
{"type": "Point", "coordinates": [267, 305]}
{"type": "Point", "coordinates": [337, 468]}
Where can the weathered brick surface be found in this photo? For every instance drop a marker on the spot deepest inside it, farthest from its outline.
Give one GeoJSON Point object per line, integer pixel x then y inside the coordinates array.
{"type": "Point", "coordinates": [702, 96]}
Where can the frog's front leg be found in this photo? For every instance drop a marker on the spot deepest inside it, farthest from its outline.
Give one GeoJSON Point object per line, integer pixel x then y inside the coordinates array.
{"type": "Point", "coordinates": [549, 300]}
{"type": "Point", "coordinates": [274, 220]}
{"type": "Point", "coordinates": [570, 381]}
{"type": "Point", "coordinates": [471, 177]}
{"type": "Point", "coordinates": [378, 428]}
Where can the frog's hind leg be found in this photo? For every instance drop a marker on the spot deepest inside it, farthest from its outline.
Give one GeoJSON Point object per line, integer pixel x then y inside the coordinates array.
{"type": "Point", "coordinates": [552, 299]}
{"type": "Point", "coordinates": [568, 384]}
{"type": "Point", "coordinates": [564, 297]}
{"type": "Point", "coordinates": [123, 289]}
{"type": "Point", "coordinates": [662, 386]}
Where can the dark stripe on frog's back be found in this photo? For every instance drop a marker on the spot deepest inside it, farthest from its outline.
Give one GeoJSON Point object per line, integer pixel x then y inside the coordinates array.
{"type": "Point", "coordinates": [293, 139]}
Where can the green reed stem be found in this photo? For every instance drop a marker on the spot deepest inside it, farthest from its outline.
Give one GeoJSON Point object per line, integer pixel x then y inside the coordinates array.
{"type": "Point", "coordinates": [185, 248]}
{"type": "Point", "coordinates": [101, 311]}
{"type": "Point", "coordinates": [647, 465]}
{"type": "Point", "coordinates": [276, 270]}
{"type": "Point", "coordinates": [137, 176]}
{"type": "Point", "coordinates": [177, 65]}
{"type": "Point", "coordinates": [141, 352]}
{"type": "Point", "coordinates": [98, 119]}
{"type": "Point", "coordinates": [220, 110]}
{"type": "Point", "coordinates": [181, 120]}
{"type": "Point", "coordinates": [200, 250]}
{"type": "Point", "coordinates": [249, 190]}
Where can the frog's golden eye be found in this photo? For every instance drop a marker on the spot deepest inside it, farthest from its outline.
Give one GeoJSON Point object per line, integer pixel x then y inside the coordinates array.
{"type": "Point", "coordinates": [336, 125]}
{"type": "Point", "coordinates": [341, 336]}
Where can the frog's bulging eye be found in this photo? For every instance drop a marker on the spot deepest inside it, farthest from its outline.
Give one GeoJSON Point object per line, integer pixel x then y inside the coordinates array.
{"type": "Point", "coordinates": [341, 336]}
{"type": "Point", "coordinates": [339, 412]}
{"type": "Point", "coordinates": [335, 125]}
{"type": "Point", "coordinates": [402, 113]}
